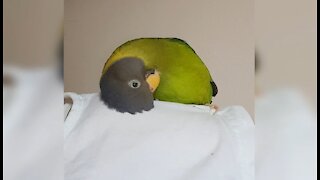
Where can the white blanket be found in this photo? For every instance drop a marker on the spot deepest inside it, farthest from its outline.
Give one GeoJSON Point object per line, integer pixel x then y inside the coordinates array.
{"type": "Point", "coordinates": [286, 133]}
{"type": "Point", "coordinates": [32, 125]}
{"type": "Point", "coordinates": [170, 142]}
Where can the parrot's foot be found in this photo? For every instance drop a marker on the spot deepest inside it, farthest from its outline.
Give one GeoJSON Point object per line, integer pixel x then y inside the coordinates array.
{"type": "Point", "coordinates": [214, 107]}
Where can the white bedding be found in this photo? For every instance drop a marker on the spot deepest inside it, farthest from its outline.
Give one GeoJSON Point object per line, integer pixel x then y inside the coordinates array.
{"type": "Point", "coordinates": [32, 125]}
{"type": "Point", "coordinates": [286, 133]}
{"type": "Point", "coordinates": [171, 142]}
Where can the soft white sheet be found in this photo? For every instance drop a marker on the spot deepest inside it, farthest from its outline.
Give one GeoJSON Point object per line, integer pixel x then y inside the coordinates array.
{"type": "Point", "coordinates": [286, 133]}
{"type": "Point", "coordinates": [32, 127]}
{"type": "Point", "coordinates": [171, 142]}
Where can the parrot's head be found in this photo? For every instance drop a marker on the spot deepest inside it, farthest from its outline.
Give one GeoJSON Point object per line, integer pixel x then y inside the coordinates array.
{"type": "Point", "coordinates": [127, 86]}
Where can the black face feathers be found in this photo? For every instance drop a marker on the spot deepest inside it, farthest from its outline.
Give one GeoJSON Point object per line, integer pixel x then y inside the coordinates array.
{"type": "Point", "coordinates": [124, 88]}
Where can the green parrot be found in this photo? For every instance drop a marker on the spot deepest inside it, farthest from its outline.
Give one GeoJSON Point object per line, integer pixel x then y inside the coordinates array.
{"type": "Point", "coordinates": [173, 70]}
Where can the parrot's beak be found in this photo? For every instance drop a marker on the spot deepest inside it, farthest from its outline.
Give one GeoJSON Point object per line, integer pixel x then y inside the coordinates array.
{"type": "Point", "coordinates": [153, 79]}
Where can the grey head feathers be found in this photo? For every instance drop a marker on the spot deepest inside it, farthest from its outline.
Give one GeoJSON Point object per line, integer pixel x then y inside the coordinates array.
{"type": "Point", "coordinates": [124, 88]}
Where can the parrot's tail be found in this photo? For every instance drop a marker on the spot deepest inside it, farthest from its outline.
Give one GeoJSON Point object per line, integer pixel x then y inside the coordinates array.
{"type": "Point", "coordinates": [214, 88]}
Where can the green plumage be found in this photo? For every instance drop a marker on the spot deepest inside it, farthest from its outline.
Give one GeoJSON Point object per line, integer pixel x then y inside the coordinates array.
{"type": "Point", "coordinates": [184, 77]}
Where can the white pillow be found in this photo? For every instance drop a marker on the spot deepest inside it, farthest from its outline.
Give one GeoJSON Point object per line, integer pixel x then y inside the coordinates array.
{"type": "Point", "coordinates": [172, 141]}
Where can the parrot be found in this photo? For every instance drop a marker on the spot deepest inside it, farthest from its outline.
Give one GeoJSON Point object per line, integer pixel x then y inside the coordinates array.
{"type": "Point", "coordinates": [165, 69]}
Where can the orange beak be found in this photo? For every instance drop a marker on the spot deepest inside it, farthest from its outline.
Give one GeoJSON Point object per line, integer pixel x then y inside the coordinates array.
{"type": "Point", "coordinates": [153, 80]}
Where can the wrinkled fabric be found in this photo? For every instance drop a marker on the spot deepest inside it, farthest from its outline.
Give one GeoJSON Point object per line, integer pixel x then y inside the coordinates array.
{"type": "Point", "coordinates": [172, 142]}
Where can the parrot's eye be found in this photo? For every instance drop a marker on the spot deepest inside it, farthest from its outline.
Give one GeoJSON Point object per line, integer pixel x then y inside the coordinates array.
{"type": "Point", "coordinates": [134, 84]}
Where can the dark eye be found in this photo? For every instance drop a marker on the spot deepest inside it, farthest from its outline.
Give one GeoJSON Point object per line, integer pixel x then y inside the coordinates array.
{"type": "Point", "coordinates": [134, 84]}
